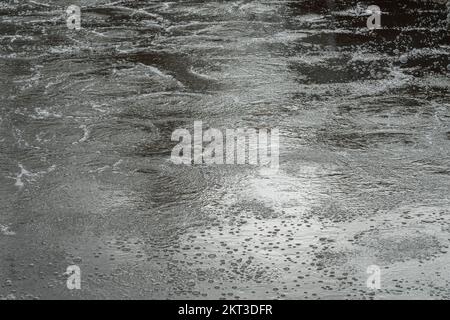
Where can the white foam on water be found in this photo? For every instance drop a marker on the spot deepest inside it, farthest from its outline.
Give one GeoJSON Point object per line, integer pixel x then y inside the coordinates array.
{"type": "Point", "coordinates": [18, 134]}
{"type": "Point", "coordinates": [117, 164]}
{"type": "Point", "coordinates": [16, 37]}
{"type": "Point", "coordinates": [39, 4]}
{"type": "Point", "coordinates": [114, 167]}
{"type": "Point", "coordinates": [200, 75]}
{"type": "Point", "coordinates": [24, 173]}
{"type": "Point", "coordinates": [86, 134]}
{"type": "Point", "coordinates": [134, 12]}
{"type": "Point", "coordinates": [44, 114]}
{"type": "Point", "coordinates": [159, 73]}
{"type": "Point", "coordinates": [397, 79]}
{"type": "Point", "coordinates": [5, 231]}
{"type": "Point", "coordinates": [367, 57]}
{"type": "Point", "coordinates": [98, 107]}
{"type": "Point", "coordinates": [310, 18]}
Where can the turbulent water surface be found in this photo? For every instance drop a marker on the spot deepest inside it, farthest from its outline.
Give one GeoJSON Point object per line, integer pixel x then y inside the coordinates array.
{"type": "Point", "coordinates": [86, 119]}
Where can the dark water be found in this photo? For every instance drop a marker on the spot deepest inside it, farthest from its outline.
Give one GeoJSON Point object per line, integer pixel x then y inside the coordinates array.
{"type": "Point", "coordinates": [86, 119]}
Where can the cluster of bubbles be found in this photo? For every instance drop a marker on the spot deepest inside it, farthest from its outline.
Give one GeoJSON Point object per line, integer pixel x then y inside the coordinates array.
{"type": "Point", "coordinates": [448, 14]}
{"type": "Point", "coordinates": [447, 3]}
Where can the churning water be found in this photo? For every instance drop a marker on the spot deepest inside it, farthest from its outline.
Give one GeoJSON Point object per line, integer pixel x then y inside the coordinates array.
{"type": "Point", "coordinates": [86, 119]}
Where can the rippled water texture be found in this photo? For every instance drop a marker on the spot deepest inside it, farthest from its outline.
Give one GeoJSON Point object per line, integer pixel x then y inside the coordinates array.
{"type": "Point", "coordinates": [86, 119]}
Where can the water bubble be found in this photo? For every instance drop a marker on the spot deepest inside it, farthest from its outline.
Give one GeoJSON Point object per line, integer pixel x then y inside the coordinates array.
{"type": "Point", "coordinates": [404, 59]}
{"type": "Point", "coordinates": [191, 283]}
